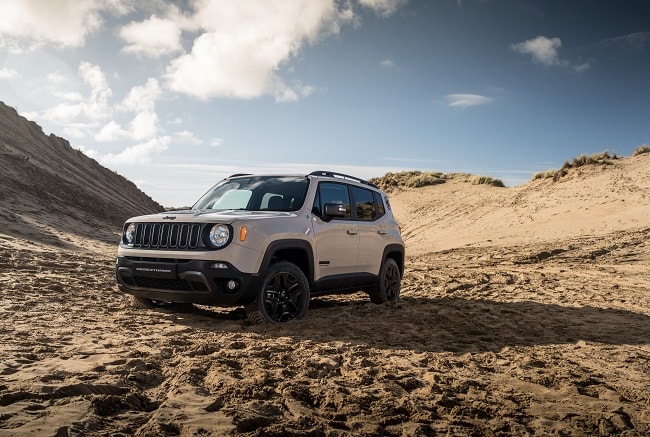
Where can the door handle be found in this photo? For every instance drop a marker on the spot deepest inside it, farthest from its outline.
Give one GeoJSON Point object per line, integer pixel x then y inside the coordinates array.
{"type": "Point", "coordinates": [351, 232]}
{"type": "Point", "coordinates": [382, 232]}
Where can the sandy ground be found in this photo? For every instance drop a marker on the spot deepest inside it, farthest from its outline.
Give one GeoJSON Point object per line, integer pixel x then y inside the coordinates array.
{"type": "Point", "coordinates": [511, 322]}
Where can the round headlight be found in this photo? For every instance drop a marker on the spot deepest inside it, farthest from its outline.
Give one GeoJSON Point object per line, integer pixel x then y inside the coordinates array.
{"type": "Point", "coordinates": [129, 234]}
{"type": "Point", "coordinates": [219, 236]}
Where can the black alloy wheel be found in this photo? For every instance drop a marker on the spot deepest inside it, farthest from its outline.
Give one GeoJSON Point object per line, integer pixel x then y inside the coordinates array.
{"type": "Point", "coordinates": [284, 295]}
{"type": "Point", "coordinates": [390, 283]}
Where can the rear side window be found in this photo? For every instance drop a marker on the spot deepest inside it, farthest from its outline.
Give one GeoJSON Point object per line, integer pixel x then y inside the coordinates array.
{"type": "Point", "coordinates": [381, 209]}
{"type": "Point", "coordinates": [331, 192]}
{"type": "Point", "coordinates": [364, 204]}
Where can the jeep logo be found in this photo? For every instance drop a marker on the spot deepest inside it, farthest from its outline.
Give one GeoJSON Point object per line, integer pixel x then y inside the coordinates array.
{"type": "Point", "coordinates": [169, 217]}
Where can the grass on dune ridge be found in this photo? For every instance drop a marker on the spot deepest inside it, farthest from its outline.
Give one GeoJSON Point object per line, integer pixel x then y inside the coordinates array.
{"type": "Point", "coordinates": [417, 179]}
{"type": "Point", "coordinates": [602, 158]}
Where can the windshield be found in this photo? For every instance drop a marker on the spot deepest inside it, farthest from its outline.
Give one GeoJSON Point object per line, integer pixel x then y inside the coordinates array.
{"type": "Point", "coordinates": [256, 193]}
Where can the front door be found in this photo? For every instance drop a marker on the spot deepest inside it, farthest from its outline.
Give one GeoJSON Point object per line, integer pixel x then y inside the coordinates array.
{"type": "Point", "coordinates": [336, 240]}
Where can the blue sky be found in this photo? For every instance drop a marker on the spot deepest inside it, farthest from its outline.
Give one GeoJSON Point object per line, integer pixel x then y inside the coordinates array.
{"type": "Point", "coordinates": [177, 95]}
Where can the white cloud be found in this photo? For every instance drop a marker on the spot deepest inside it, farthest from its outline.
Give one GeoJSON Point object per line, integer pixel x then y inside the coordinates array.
{"type": "Point", "coordinates": [56, 78]}
{"type": "Point", "coordinates": [637, 41]}
{"type": "Point", "coordinates": [544, 51]}
{"type": "Point", "coordinates": [462, 101]}
{"type": "Point", "coordinates": [153, 37]}
{"type": "Point", "coordinates": [8, 73]}
{"type": "Point", "coordinates": [142, 98]}
{"type": "Point", "coordinates": [141, 153]}
{"type": "Point", "coordinates": [62, 23]}
{"type": "Point", "coordinates": [383, 7]}
{"type": "Point", "coordinates": [216, 142]}
{"type": "Point", "coordinates": [186, 137]}
{"type": "Point", "coordinates": [387, 63]}
{"type": "Point", "coordinates": [79, 115]}
{"type": "Point", "coordinates": [244, 44]}
{"type": "Point", "coordinates": [97, 104]}
{"type": "Point", "coordinates": [68, 95]}
{"type": "Point", "coordinates": [111, 132]}
{"type": "Point", "coordinates": [144, 125]}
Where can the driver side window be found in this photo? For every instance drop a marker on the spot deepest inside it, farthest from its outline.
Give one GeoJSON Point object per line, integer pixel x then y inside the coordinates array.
{"type": "Point", "coordinates": [331, 192]}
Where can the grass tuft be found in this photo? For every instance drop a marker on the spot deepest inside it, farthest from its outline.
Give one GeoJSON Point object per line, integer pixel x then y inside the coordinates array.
{"type": "Point", "coordinates": [417, 179]}
{"type": "Point", "coordinates": [641, 150]}
{"type": "Point", "coordinates": [602, 158]}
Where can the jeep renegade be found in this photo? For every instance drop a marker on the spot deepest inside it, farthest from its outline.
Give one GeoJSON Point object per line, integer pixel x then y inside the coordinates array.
{"type": "Point", "coordinates": [267, 242]}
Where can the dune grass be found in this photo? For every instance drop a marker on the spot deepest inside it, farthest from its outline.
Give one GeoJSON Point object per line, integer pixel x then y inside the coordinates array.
{"type": "Point", "coordinates": [602, 158]}
{"type": "Point", "coordinates": [417, 179]}
{"type": "Point", "coordinates": [641, 150]}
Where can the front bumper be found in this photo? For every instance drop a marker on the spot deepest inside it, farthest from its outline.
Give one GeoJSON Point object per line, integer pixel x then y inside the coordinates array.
{"type": "Point", "coordinates": [186, 281]}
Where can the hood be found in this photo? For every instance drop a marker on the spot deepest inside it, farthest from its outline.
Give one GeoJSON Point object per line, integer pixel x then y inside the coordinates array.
{"type": "Point", "coordinates": [223, 216]}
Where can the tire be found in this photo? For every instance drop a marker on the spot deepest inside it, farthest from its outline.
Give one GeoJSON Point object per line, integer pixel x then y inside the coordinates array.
{"type": "Point", "coordinates": [283, 296]}
{"type": "Point", "coordinates": [144, 303]}
{"type": "Point", "coordinates": [390, 282]}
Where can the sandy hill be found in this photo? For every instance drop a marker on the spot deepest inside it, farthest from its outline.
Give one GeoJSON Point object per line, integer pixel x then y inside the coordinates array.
{"type": "Point", "coordinates": [51, 192]}
{"type": "Point", "coordinates": [523, 311]}
{"type": "Point", "coordinates": [592, 200]}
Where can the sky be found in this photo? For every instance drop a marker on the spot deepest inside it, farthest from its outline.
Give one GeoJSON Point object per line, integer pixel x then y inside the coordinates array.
{"type": "Point", "coordinates": [178, 95]}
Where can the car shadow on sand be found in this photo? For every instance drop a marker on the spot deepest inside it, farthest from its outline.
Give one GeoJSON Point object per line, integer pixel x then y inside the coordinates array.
{"type": "Point", "coordinates": [450, 324]}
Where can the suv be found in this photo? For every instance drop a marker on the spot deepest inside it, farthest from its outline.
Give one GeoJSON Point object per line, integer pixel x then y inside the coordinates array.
{"type": "Point", "coordinates": [268, 242]}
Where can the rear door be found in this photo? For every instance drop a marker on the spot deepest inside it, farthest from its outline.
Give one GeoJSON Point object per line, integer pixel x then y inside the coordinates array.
{"type": "Point", "coordinates": [371, 230]}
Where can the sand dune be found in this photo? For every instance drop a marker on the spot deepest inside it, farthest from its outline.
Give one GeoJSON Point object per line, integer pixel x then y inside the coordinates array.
{"type": "Point", "coordinates": [525, 311]}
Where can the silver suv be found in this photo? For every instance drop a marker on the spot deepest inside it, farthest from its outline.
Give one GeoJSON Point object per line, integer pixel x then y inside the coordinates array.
{"type": "Point", "coordinates": [268, 242]}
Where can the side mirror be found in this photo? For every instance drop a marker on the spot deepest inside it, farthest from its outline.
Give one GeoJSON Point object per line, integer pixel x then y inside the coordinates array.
{"type": "Point", "coordinates": [334, 210]}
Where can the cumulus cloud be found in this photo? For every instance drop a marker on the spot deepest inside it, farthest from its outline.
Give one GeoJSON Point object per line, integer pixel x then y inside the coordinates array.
{"type": "Point", "coordinates": [89, 109]}
{"type": "Point", "coordinates": [544, 51]}
{"type": "Point", "coordinates": [8, 73]}
{"type": "Point", "coordinates": [153, 37]}
{"type": "Point", "coordinates": [112, 131]}
{"type": "Point", "coordinates": [241, 46]}
{"type": "Point", "coordinates": [62, 23]}
{"type": "Point", "coordinates": [141, 101]}
{"type": "Point", "coordinates": [187, 138]}
{"type": "Point", "coordinates": [462, 101]}
{"type": "Point", "coordinates": [142, 97]}
{"type": "Point", "coordinates": [138, 154]}
{"type": "Point", "coordinates": [387, 63]}
{"type": "Point", "coordinates": [244, 44]}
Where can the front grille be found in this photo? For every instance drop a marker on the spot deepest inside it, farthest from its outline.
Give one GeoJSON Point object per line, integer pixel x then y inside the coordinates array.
{"type": "Point", "coordinates": [167, 235]}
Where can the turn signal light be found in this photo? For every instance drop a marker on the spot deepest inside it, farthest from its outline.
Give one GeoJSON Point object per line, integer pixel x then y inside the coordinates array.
{"type": "Point", "coordinates": [242, 233]}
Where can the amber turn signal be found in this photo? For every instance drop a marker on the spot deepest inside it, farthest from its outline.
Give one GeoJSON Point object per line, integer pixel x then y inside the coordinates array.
{"type": "Point", "coordinates": [242, 233]}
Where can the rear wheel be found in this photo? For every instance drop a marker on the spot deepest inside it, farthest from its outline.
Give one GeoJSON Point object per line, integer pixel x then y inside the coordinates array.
{"type": "Point", "coordinates": [284, 295]}
{"type": "Point", "coordinates": [390, 283]}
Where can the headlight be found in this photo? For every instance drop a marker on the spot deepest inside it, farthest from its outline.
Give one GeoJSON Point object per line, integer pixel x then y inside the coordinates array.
{"type": "Point", "coordinates": [129, 234]}
{"type": "Point", "coordinates": [219, 236]}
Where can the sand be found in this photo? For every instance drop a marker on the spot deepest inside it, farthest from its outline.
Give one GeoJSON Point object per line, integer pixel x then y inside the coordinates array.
{"type": "Point", "coordinates": [524, 311]}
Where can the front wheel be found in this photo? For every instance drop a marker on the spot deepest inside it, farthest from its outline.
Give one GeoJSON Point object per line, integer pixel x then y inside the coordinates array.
{"type": "Point", "coordinates": [284, 295]}
{"type": "Point", "coordinates": [390, 282]}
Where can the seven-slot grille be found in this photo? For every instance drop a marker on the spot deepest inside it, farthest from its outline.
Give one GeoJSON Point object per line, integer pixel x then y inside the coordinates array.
{"type": "Point", "coordinates": [167, 235]}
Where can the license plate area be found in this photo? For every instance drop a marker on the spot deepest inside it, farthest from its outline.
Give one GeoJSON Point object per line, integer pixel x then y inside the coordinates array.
{"type": "Point", "coordinates": [156, 270]}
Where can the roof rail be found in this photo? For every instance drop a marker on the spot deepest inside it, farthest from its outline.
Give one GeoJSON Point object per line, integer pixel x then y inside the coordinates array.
{"type": "Point", "coordinates": [333, 174]}
{"type": "Point", "coordinates": [239, 174]}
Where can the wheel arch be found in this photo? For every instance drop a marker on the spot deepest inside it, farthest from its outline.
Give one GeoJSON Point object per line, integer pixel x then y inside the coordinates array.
{"type": "Point", "coordinates": [298, 252]}
{"type": "Point", "coordinates": [395, 252]}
